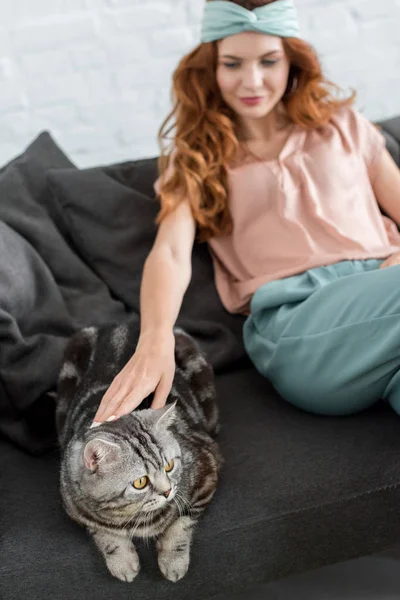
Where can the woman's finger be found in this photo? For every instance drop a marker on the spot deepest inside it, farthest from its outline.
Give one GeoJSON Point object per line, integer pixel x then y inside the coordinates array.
{"type": "Point", "coordinates": [130, 402]}
{"type": "Point", "coordinates": [394, 259]}
{"type": "Point", "coordinates": [124, 402]}
{"type": "Point", "coordinates": [389, 263]}
{"type": "Point", "coordinates": [115, 386]}
{"type": "Point", "coordinates": [102, 411]}
{"type": "Point", "coordinates": [106, 411]}
{"type": "Point", "coordinates": [161, 394]}
{"type": "Point", "coordinates": [385, 263]}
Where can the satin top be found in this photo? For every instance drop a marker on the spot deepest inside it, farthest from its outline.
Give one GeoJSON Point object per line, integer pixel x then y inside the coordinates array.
{"type": "Point", "coordinates": [314, 205]}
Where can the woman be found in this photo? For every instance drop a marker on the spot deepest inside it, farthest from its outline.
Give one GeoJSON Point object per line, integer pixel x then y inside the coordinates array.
{"type": "Point", "coordinates": [285, 182]}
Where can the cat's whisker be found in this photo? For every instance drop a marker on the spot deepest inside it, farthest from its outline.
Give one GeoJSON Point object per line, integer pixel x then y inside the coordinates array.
{"type": "Point", "coordinates": [126, 523]}
{"type": "Point", "coordinates": [132, 532]}
{"type": "Point", "coordinates": [185, 502]}
{"type": "Point", "coordinates": [182, 503]}
{"type": "Point", "coordinates": [149, 536]}
{"type": "Point", "coordinates": [177, 503]}
{"type": "Point", "coordinates": [133, 516]}
{"type": "Point", "coordinates": [147, 530]}
{"type": "Point", "coordinates": [144, 528]}
{"type": "Point", "coordinates": [186, 507]}
{"type": "Point", "coordinates": [132, 519]}
{"type": "Point", "coordinates": [142, 522]}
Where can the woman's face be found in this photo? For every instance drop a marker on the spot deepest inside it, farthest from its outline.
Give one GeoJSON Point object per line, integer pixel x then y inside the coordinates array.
{"type": "Point", "coordinates": [252, 73]}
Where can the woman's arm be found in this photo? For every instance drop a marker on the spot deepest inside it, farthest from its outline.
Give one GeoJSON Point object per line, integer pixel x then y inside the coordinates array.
{"type": "Point", "coordinates": [167, 272]}
{"type": "Point", "coordinates": [386, 186]}
{"type": "Point", "coordinates": [166, 276]}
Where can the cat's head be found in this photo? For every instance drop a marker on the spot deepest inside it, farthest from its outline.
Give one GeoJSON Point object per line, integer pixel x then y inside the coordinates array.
{"type": "Point", "coordinates": [130, 466]}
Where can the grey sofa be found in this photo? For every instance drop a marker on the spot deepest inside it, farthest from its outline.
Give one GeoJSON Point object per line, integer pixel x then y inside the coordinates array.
{"type": "Point", "coordinates": [297, 492]}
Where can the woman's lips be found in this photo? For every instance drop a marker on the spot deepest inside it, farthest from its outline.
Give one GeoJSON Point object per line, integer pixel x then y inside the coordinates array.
{"type": "Point", "coordinates": [251, 101]}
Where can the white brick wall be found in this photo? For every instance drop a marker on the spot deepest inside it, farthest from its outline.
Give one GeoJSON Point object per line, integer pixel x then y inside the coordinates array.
{"type": "Point", "coordinates": [96, 73]}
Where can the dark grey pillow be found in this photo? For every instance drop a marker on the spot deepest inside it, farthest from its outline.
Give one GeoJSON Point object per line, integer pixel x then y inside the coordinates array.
{"type": "Point", "coordinates": [42, 154]}
{"type": "Point", "coordinates": [112, 226]}
{"type": "Point", "coordinates": [23, 178]}
{"type": "Point", "coordinates": [46, 293]}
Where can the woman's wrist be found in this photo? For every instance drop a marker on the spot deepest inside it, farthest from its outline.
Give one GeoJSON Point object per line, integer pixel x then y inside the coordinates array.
{"type": "Point", "coordinates": [157, 335]}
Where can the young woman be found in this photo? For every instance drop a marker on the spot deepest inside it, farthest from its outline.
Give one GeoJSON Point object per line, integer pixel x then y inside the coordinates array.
{"type": "Point", "coordinates": [285, 182]}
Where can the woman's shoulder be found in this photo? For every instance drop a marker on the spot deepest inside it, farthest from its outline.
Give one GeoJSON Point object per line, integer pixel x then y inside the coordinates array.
{"type": "Point", "coordinates": [350, 120]}
{"type": "Point", "coordinates": [356, 128]}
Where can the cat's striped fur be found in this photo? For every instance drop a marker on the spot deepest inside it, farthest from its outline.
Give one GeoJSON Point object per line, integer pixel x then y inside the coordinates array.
{"type": "Point", "coordinates": [99, 466]}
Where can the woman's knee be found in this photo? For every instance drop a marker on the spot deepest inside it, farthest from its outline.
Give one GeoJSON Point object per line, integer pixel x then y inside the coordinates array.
{"type": "Point", "coordinates": [306, 378]}
{"type": "Point", "coordinates": [321, 396]}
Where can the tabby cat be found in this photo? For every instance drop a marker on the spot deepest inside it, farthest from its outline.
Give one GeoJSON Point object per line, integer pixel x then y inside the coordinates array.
{"type": "Point", "coordinates": [149, 474]}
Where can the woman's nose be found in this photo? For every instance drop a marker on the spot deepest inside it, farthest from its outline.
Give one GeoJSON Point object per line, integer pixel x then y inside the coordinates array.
{"type": "Point", "coordinates": [253, 78]}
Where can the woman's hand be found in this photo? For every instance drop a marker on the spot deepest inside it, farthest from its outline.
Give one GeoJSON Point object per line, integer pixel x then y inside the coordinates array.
{"type": "Point", "coordinates": [394, 259]}
{"type": "Point", "coordinates": [152, 367]}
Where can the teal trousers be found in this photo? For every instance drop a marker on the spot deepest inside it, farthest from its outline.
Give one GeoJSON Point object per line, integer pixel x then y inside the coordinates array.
{"type": "Point", "coordinates": [328, 339]}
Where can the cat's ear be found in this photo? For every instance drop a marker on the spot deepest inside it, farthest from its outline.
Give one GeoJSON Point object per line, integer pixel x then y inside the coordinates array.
{"type": "Point", "coordinates": [100, 450]}
{"type": "Point", "coordinates": [166, 415]}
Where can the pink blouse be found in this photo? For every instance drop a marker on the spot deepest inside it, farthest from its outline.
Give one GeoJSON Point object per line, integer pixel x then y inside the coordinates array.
{"type": "Point", "coordinates": [312, 206]}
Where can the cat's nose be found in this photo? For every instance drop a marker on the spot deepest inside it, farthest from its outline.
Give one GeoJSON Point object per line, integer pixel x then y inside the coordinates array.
{"type": "Point", "coordinates": [167, 493]}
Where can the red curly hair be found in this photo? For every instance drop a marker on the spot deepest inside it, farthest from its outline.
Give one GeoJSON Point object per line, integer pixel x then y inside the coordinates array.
{"type": "Point", "coordinates": [205, 138]}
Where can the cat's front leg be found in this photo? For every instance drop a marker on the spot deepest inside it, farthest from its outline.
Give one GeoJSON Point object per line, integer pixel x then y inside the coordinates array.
{"type": "Point", "coordinates": [173, 548]}
{"type": "Point", "coordinates": [120, 554]}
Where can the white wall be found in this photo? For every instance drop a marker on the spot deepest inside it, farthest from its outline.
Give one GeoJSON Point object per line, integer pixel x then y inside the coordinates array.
{"type": "Point", "coordinates": [96, 73]}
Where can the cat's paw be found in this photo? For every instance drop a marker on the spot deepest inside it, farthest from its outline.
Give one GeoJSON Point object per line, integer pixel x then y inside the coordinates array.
{"type": "Point", "coordinates": [173, 565]}
{"type": "Point", "coordinates": [124, 565]}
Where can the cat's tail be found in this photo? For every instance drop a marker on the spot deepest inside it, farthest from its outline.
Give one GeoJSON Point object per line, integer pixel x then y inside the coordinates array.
{"type": "Point", "coordinates": [194, 363]}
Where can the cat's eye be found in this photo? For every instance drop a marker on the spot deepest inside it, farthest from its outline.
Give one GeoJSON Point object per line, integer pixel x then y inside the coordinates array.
{"type": "Point", "coordinates": [140, 483]}
{"type": "Point", "coordinates": [170, 466]}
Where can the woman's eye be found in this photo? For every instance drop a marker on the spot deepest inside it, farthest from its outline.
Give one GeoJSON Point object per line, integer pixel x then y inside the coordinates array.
{"type": "Point", "coordinates": [140, 483]}
{"type": "Point", "coordinates": [265, 63]}
{"type": "Point", "coordinates": [170, 466]}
